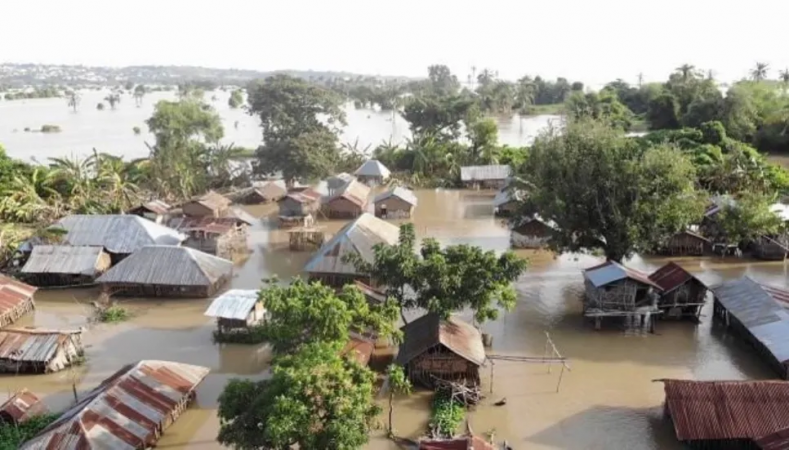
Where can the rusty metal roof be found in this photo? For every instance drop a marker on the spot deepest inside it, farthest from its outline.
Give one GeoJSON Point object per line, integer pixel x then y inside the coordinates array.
{"type": "Point", "coordinates": [213, 201]}
{"type": "Point", "coordinates": [671, 276]}
{"type": "Point", "coordinates": [308, 195]}
{"type": "Point", "coordinates": [359, 349]}
{"type": "Point", "coordinates": [464, 443]}
{"type": "Point", "coordinates": [125, 411]}
{"type": "Point", "coordinates": [429, 330]}
{"type": "Point", "coordinates": [170, 266]}
{"type": "Point", "coordinates": [711, 410]}
{"type": "Point", "coordinates": [611, 271]}
{"type": "Point", "coordinates": [353, 191]}
{"type": "Point", "coordinates": [14, 293]}
{"type": "Point", "coordinates": [774, 441]}
{"type": "Point", "coordinates": [778, 294]}
{"type": "Point", "coordinates": [22, 406]}
{"type": "Point", "coordinates": [33, 345]}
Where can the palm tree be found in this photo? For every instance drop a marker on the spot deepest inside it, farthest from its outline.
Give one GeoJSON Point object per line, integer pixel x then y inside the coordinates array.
{"type": "Point", "coordinates": [113, 99]}
{"type": "Point", "coordinates": [687, 71]}
{"type": "Point", "coordinates": [72, 99]}
{"type": "Point", "coordinates": [759, 73]}
{"type": "Point", "coordinates": [139, 93]}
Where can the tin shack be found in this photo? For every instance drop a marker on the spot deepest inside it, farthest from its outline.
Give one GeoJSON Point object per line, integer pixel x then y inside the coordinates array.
{"type": "Point", "coordinates": [236, 310]}
{"type": "Point", "coordinates": [25, 350]}
{"type": "Point", "coordinates": [396, 203]}
{"type": "Point", "coordinates": [262, 192]}
{"type": "Point", "coordinates": [221, 236]}
{"type": "Point", "coordinates": [298, 209]}
{"type": "Point", "coordinates": [372, 173]}
{"type": "Point", "coordinates": [154, 210]}
{"type": "Point", "coordinates": [533, 232]}
{"type": "Point", "coordinates": [210, 204]}
{"type": "Point", "coordinates": [65, 265]}
{"type": "Point", "coordinates": [686, 243]}
{"type": "Point", "coordinates": [485, 177]}
{"type": "Point", "coordinates": [16, 300]}
{"type": "Point", "coordinates": [613, 290]}
{"type": "Point", "coordinates": [681, 294]}
{"type": "Point", "coordinates": [348, 202]}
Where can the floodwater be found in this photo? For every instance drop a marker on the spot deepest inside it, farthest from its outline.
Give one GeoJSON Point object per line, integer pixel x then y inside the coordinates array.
{"type": "Point", "coordinates": [608, 400]}
{"type": "Point", "coordinates": [110, 131]}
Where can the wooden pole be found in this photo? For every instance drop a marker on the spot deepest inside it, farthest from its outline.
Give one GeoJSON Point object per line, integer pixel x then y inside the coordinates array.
{"type": "Point", "coordinates": [491, 376]}
{"type": "Point", "coordinates": [560, 379]}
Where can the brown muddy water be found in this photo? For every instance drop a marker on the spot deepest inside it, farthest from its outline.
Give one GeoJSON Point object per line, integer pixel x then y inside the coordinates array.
{"type": "Point", "coordinates": [608, 400]}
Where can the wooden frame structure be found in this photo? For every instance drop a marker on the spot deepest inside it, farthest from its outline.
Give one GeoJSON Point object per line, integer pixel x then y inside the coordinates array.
{"type": "Point", "coordinates": [306, 238]}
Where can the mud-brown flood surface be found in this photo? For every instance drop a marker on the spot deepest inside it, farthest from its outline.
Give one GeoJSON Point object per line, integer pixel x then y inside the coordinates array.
{"type": "Point", "coordinates": [608, 400]}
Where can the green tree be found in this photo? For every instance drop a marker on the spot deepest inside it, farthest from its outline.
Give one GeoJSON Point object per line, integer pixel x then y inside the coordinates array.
{"type": "Point", "coordinates": [442, 81]}
{"type": "Point", "coordinates": [759, 73]}
{"type": "Point", "coordinates": [139, 92]}
{"type": "Point", "coordinates": [687, 72]}
{"type": "Point", "coordinates": [398, 385]}
{"type": "Point", "coordinates": [663, 112]}
{"type": "Point", "coordinates": [602, 190]}
{"type": "Point", "coordinates": [748, 218]}
{"type": "Point", "coordinates": [113, 98]}
{"type": "Point", "coordinates": [484, 135]}
{"type": "Point", "coordinates": [300, 127]}
{"type": "Point", "coordinates": [604, 106]}
{"type": "Point", "coordinates": [314, 400]}
{"type": "Point", "coordinates": [236, 99]}
{"type": "Point", "coordinates": [441, 117]}
{"type": "Point", "coordinates": [177, 123]}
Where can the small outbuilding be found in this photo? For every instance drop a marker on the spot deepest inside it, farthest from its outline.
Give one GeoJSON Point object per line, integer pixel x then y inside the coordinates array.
{"type": "Point", "coordinates": [167, 271]}
{"type": "Point", "coordinates": [221, 236]}
{"type": "Point", "coordinates": [336, 182]}
{"type": "Point", "coordinates": [298, 209]}
{"type": "Point", "coordinates": [450, 350]}
{"type": "Point", "coordinates": [506, 202]}
{"type": "Point", "coordinates": [25, 350]}
{"type": "Point", "coordinates": [532, 233]}
{"type": "Point", "coordinates": [236, 310]}
{"type": "Point", "coordinates": [686, 243]}
{"type": "Point", "coordinates": [372, 173]}
{"type": "Point", "coordinates": [770, 248]}
{"type": "Point", "coordinates": [348, 202]}
{"type": "Point", "coordinates": [21, 407]}
{"type": "Point", "coordinates": [396, 203]}
{"type": "Point", "coordinates": [485, 177]}
{"type": "Point", "coordinates": [16, 300]}
{"type": "Point", "coordinates": [65, 265]}
{"type": "Point", "coordinates": [263, 192]}
{"type": "Point", "coordinates": [210, 204]}
{"type": "Point", "coordinates": [681, 294]}
{"type": "Point", "coordinates": [358, 237]}
{"type": "Point", "coordinates": [613, 290]}
{"type": "Point", "coordinates": [154, 210]}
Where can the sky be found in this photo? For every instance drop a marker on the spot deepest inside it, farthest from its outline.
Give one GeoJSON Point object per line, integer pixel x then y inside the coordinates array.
{"type": "Point", "coordinates": [589, 40]}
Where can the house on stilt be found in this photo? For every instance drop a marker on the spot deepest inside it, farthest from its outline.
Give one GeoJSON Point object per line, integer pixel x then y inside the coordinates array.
{"type": "Point", "coordinates": [613, 290]}
{"type": "Point", "coordinates": [236, 311]}
{"type": "Point", "coordinates": [681, 294]}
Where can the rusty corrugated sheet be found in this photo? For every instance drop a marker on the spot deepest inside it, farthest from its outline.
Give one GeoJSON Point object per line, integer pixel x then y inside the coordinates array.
{"type": "Point", "coordinates": [671, 276]}
{"type": "Point", "coordinates": [775, 441]}
{"type": "Point", "coordinates": [429, 330]}
{"type": "Point", "coordinates": [21, 406]}
{"type": "Point", "coordinates": [126, 410]}
{"type": "Point", "coordinates": [14, 293]}
{"type": "Point", "coordinates": [354, 191]}
{"type": "Point", "coordinates": [464, 443]}
{"type": "Point", "coordinates": [360, 349]}
{"type": "Point", "coordinates": [712, 410]}
{"type": "Point", "coordinates": [32, 345]}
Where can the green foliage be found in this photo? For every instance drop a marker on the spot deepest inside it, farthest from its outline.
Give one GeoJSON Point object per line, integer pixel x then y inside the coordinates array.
{"type": "Point", "coordinates": [236, 99]}
{"type": "Point", "coordinates": [663, 112]}
{"type": "Point", "coordinates": [447, 415]}
{"type": "Point", "coordinates": [748, 218]}
{"type": "Point", "coordinates": [50, 129]}
{"type": "Point", "coordinates": [303, 312]}
{"type": "Point", "coordinates": [183, 122]}
{"type": "Point", "coordinates": [441, 117]}
{"type": "Point", "coordinates": [13, 436]}
{"type": "Point", "coordinates": [39, 92]}
{"type": "Point", "coordinates": [113, 99]}
{"type": "Point", "coordinates": [604, 106]}
{"type": "Point", "coordinates": [315, 400]}
{"type": "Point", "coordinates": [139, 93]}
{"type": "Point", "coordinates": [398, 384]}
{"type": "Point", "coordinates": [113, 314]}
{"type": "Point", "coordinates": [255, 334]}
{"type": "Point", "coordinates": [136, 130]}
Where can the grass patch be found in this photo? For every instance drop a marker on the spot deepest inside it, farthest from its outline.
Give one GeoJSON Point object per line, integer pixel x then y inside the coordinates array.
{"type": "Point", "coordinates": [252, 336]}
{"type": "Point", "coordinates": [12, 436]}
{"type": "Point", "coordinates": [50, 129]}
{"type": "Point", "coordinates": [447, 415]}
{"type": "Point", "coordinates": [112, 314]}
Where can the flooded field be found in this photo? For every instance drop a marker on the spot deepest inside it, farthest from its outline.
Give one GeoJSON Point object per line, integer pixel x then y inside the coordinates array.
{"type": "Point", "coordinates": [608, 400]}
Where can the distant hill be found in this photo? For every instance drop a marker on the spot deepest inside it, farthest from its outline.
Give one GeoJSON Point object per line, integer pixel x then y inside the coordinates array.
{"type": "Point", "coordinates": [17, 75]}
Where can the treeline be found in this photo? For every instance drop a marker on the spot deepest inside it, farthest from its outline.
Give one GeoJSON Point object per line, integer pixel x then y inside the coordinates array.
{"type": "Point", "coordinates": [39, 92]}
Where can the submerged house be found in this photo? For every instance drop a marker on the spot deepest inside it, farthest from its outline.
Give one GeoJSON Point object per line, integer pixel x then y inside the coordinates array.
{"type": "Point", "coordinates": [681, 294]}
{"type": "Point", "coordinates": [506, 202]}
{"type": "Point", "coordinates": [358, 237]}
{"type": "Point", "coordinates": [751, 311]}
{"type": "Point", "coordinates": [533, 233]}
{"type": "Point", "coordinates": [221, 236]}
{"type": "Point", "coordinates": [16, 300]}
{"type": "Point", "coordinates": [210, 204]}
{"type": "Point", "coordinates": [336, 182]}
{"type": "Point", "coordinates": [449, 350]}
{"type": "Point", "coordinates": [263, 192]}
{"type": "Point", "coordinates": [120, 235]}
{"type": "Point", "coordinates": [728, 414]}
{"type": "Point", "coordinates": [154, 210]}
{"type": "Point", "coordinates": [686, 243]}
{"type": "Point", "coordinates": [485, 177]}
{"type": "Point", "coordinates": [299, 208]}
{"type": "Point", "coordinates": [167, 271]}
{"type": "Point", "coordinates": [770, 248]}
{"type": "Point", "coordinates": [24, 350]}
{"type": "Point", "coordinates": [372, 173]}
{"type": "Point", "coordinates": [129, 410]}
{"type": "Point", "coordinates": [21, 407]}
{"type": "Point", "coordinates": [612, 289]}
{"type": "Point", "coordinates": [65, 265]}
{"type": "Point", "coordinates": [396, 203]}
{"type": "Point", "coordinates": [236, 310]}
{"type": "Point", "coordinates": [348, 202]}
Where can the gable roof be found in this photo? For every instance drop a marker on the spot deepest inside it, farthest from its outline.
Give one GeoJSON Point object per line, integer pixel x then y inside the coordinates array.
{"type": "Point", "coordinates": [63, 259]}
{"type": "Point", "coordinates": [359, 236]}
{"type": "Point", "coordinates": [373, 168]}
{"type": "Point", "coordinates": [611, 271]}
{"type": "Point", "coordinates": [214, 201]}
{"type": "Point", "coordinates": [671, 276]}
{"type": "Point", "coordinates": [404, 194]}
{"type": "Point", "coordinates": [13, 293]}
{"type": "Point", "coordinates": [485, 173]}
{"type": "Point", "coordinates": [22, 406]}
{"type": "Point", "coordinates": [154, 206]}
{"type": "Point", "coordinates": [353, 191]}
{"type": "Point", "coordinates": [429, 330]}
{"type": "Point", "coordinates": [308, 195]}
{"type": "Point", "coordinates": [125, 411]}
{"type": "Point", "coordinates": [117, 233]}
{"type": "Point", "coordinates": [233, 304]}
{"type": "Point", "coordinates": [32, 344]}
{"type": "Point", "coordinates": [168, 265]}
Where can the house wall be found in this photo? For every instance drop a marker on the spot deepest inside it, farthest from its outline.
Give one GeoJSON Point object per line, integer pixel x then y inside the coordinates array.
{"type": "Point", "coordinates": [66, 354]}
{"type": "Point", "coordinates": [342, 208]}
{"type": "Point", "coordinates": [769, 250]}
{"type": "Point", "coordinates": [442, 363]}
{"type": "Point", "coordinates": [396, 208]}
{"type": "Point", "coordinates": [338, 280]}
{"type": "Point", "coordinates": [289, 207]}
{"type": "Point", "coordinates": [486, 184]}
{"type": "Point", "coordinates": [683, 244]}
{"type": "Point", "coordinates": [167, 291]}
{"type": "Point", "coordinates": [617, 296]}
{"type": "Point", "coordinates": [58, 279]}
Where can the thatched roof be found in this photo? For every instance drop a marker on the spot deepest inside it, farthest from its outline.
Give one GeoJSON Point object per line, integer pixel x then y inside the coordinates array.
{"type": "Point", "coordinates": [116, 233]}
{"type": "Point", "coordinates": [170, 266]}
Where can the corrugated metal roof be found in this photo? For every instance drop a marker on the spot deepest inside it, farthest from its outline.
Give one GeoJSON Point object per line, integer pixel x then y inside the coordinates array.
{"type": "Point", "coordinates": [154, 206]}
{"type": "Point", "coordinates": [116, 233]}
{"type": "Point", "coordinates": [778, 294]}
{"type": "Point", "coordinates": [359, 349]}
{"type": "Point", "coordinates": [429, 330]}
{"type": "Point", "coordinates": [337, 181]}
{"type": "Point", "coordinates": [22, 406]}
{"type": "Point", "coordinates": [774, 441]}
{"type": "Point", "coordinates": [464, 443]}
{"type": "Point", "coordinates": [536, 218]}
{"type": "Point", "coordinates": [359, 236]}
{"type": "Point", "coordinates": [233, 304]}
{"type": "Point", "coordinates": [32, 345]}
{"type": "Point", "coordinates": [125, 411]}
{"type": "Point", "coordinates": [671, 276]}
{"type": "Point", "coordinates": [354, 191]}
{"type": "Point", "coordinates": [240, 216]}
{"type": "Point", "coordinates": [63, 259]}
{"type": "Point", "coordinates": [14, 293]}
{"type": "Point", "coordinates": [373, 168]}
{"type": "Point", "coordinates": [168, 265]}
{"type": "Point", "coordinates": [404, 194]}
{"type": "Point", "coordinates": [484, 173]}
{"type": "Point", "coordinates": [711, 410]}
{"type": "Point", "coordinates": [611, 271]}
{"type": "Point", "coordinates": [756, 309]}
{"type": "Point", "coordinates": [212, 225]}
{"type": "Point", "coordinates": [213, 201]}
{"type": "Point", "coordinates": [370, 293]}
{"type": "Point", "coordinates": [308, 195]}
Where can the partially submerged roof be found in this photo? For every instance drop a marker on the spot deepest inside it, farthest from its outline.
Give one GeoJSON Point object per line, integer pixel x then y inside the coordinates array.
{"type": "Point", "coordinates": [213, 201]}
{"type": "Point", "coordinates": [308, 195]}
{"type": "Point", "coordinates": [780, 295]}
{"type": "Point", "coordinates": [373, 168]}
{"type": "Point", "coordinates": [240, 216]}
{"type": "Point", "coordinates": [116, 233]}
{"type": "Point", "coordinates": [611, 271]}
{"type": "Point", "coordinates": [359, 236]}
{"type": "Point", "coordinates": [671, 276]}
{"type": "Point", "coordinates": [337, 181]}
{"type": "Point", "coordinates": [404, 194]}
{"type": "Point", "coordinates": [233, 304]}
{"type": "Point", "coordinates": [21, 406]}
{"type": "Point", "coordinates": [125, 411]}
{"type": "Point", "coordinates": [210, 225]}
{"type": "Point", "coordinates": [63, 259]}
{"type": "Point", "coordinates": [462, 443]}
{"type": "Point", "coordinates": [370, 292]}
{"type": "Point", "coordinates": [359, 349]}
{"type": "Point", "coordinates": [168, 265]}
{"type": "Point", "coordinates": [727, 410]}
{"type": "Point", "coordinates": [14, 293]}
{"type": "Point", "coordinates": [535, 219]}
{"type": "Point", "coordinates": [353, 191]}
{"type": "Point", "coordinates": [484, 173]}
{"type": "Point", "coordinates": [32, 345]}
{"type": "Point", "coordinates": [693, 234]}
{"type": "Point", "coordinates": [429, 330]}
{"type": "Point", "coordinates": [764, 318]}
{"type": "Point", "coordinates": [154, 206]}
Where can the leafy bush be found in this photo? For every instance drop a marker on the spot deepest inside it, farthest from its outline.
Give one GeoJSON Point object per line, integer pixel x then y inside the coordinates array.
{"type": "Point", "coordinates": [113, 314]}
{"type": "Point", "coordinates": [136, 130]}
{"type": "Point", "coordinates": [254, 335]}
{"type": "Point", "coordinates": [447, 415]}
{"type": "Point", "coordinates": [12, 436]}
{"type": "Point", "coordinates": [50, 129]}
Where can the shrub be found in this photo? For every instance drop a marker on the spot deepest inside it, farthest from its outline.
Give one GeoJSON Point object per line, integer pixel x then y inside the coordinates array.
{"type": "Point", "coordinates": [254, 335]}
{"type": "Point", "coordinates": [12, 436]}
{"type": "Point", "coordinates": [136, 130]}
{"type": "Point", "coordinates": [447, 415]}
{"type": "Point", "coordinates": [50, 129]}
{"type": "Point", "coordinates": [113, 314]}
